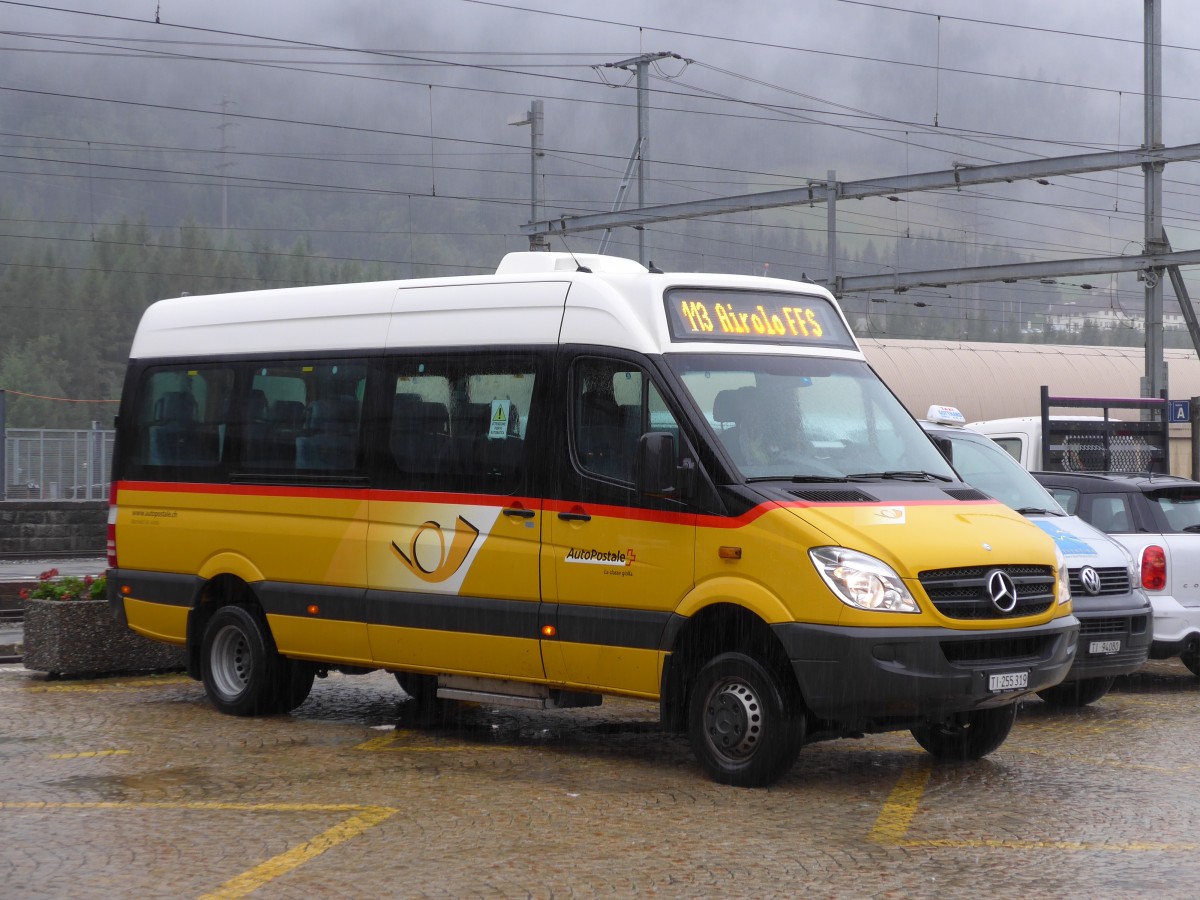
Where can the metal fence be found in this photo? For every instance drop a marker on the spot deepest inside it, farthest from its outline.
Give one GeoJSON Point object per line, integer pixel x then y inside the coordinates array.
{"type": "Point", "coordinates": [56, 464]}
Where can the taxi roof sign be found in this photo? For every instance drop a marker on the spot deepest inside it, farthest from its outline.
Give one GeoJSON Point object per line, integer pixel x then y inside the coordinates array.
{"type": "Point", "coordinates": [945, 415]}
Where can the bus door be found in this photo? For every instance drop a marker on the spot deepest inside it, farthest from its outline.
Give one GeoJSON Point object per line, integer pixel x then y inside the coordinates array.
{"type": "Point", "coordinates": [617, 563]}
{"type": "Point", "coordinates": [455, 529]}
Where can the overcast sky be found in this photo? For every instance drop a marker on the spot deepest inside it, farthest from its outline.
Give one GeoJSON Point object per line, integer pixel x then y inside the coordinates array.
{"type": "Point", "coordinates": [762, 95]}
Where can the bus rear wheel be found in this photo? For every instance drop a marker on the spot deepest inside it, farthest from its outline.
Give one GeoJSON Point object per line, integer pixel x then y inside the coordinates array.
{"type": "Point", "coordinates": [741, 726]}
{"type": "Point", "coordinates": [977, 734]}
{"type": "Point", "coordinates": [239, 665]}
{"type": "Point", "coordinates": [423, 706]}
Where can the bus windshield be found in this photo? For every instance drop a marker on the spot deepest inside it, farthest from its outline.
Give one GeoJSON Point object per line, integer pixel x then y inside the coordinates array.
{"type": "Point", "coordinates": [807, 418]}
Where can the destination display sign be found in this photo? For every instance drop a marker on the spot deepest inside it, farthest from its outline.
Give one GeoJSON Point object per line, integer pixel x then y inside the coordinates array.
{"type": "Point", "coordinates": [754, 317]}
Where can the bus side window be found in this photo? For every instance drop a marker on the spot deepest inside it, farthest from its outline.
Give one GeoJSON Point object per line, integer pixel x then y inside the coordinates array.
{"type": "Point", "coordinates": [457, 424]}
{"type": "Point", "coordinates": [182, 419]}
{"type": "Point", "coordinates": [303, 417]}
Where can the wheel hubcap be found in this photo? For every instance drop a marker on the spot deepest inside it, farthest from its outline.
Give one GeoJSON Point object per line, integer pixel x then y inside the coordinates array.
{"type": "Point", "coordinates": [733, 720]}
{"type": "Point", "coordinates": [230, 662]}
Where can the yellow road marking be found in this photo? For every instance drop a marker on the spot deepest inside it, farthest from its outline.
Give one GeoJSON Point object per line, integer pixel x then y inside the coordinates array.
{"type": "Point", "coordinates": [901, 805]}
{"type": "Point", "coordinates": [255, 878]}
{"type": "Point", "coordinates": [191, 805]}
{"type": "Point", "coordinates": [95, 687]}
{"type": "Point", "coordinates": [88, 754]}
{"type": "Point", "coordinates": [251, 880]}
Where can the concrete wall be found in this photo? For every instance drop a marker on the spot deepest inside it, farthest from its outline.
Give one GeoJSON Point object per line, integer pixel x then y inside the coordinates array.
{"type": "Point", "coordinates": [40, 528]}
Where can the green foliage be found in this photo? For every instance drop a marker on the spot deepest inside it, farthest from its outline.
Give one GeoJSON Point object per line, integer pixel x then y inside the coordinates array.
{"type": "Point", "coordinates": [36, 367]}
{"type": "Point", "coordinates": [51, 586]}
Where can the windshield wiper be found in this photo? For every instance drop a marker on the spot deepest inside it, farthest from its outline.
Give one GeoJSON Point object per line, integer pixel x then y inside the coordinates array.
{"type": "Point", "coordinates": [800, 479]}
{"type": "Point", "coordinates": [912, 475]}
{"type": "Point", "coordinates": [1037, 511]}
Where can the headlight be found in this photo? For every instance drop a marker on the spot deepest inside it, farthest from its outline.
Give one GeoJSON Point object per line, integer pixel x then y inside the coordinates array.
{"type": "Point", "coordinates": [1135, 575]}
{"type": "Point", "coordinates": [862, 581]}
{"type": "Point", "coordinates": [1064, 577]}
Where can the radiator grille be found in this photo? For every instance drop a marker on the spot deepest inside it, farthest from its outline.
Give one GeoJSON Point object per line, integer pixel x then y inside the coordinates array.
{"type": "Point", "coordinates": [963, 593]}
{"type": "Point", "coordinates": [1113, 580]}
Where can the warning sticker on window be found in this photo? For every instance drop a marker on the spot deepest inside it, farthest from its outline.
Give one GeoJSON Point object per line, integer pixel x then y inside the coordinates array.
{"type": "Point", "coordinates": [499, 426]}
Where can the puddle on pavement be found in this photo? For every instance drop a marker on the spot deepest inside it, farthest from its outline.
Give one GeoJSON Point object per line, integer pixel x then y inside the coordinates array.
{"type": "Point", "coordinates": [188, 782]}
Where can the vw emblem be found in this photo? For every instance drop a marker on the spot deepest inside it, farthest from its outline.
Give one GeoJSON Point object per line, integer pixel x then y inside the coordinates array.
{"type": "Point", "coordinates": [1091, 580]}
{"type": "Point", "coordinates": [1002, 591]}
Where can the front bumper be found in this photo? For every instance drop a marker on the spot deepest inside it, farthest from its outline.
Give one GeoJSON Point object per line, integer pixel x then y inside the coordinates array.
{"type": "Point", "coordinates": [870, 679]}
{"type": "Point", "coordinates": [1104, 621]}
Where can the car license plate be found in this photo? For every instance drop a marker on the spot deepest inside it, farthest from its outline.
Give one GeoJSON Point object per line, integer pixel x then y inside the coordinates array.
{"type": "Point", "coordinates": [1008, 681]}
{"type": "Point", "coordinates": [1104, 647]}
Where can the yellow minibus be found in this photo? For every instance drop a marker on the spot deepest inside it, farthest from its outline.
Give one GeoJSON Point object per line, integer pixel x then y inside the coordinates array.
{"type": "Point", "coordinates": [572, 478]}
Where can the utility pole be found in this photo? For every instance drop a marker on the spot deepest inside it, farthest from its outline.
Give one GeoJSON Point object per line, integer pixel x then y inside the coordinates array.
{"type": "Point", "coordinates": [3, 444]}
{"type": "Point", "coordinates": [637, 159]}
{"type": "Point", "coordinates": [831, 189]}
{"type": "Point", "coordinates": [1155, 380]}
{"type": "Point", "coordinates": [224, 165]}
{"type": "Point", "coordinates": [535, 119]}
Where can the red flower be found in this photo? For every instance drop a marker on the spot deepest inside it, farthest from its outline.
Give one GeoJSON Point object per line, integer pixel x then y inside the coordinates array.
{"type": "Point", "coordinates": [24, 592]}
{"type": "Point", "coordinates": [48, 574]}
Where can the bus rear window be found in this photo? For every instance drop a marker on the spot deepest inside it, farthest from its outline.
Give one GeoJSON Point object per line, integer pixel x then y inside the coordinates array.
{"type": "Point", "coordinates": [182, 418]}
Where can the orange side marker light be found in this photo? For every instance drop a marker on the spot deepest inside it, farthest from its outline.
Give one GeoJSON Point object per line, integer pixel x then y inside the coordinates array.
{"type": "Point", "coordinates": [549, 631]}
{"type": "Point", "coordinates": [729, 552]}
{"type": "Point", "coordinates": [313, 609]}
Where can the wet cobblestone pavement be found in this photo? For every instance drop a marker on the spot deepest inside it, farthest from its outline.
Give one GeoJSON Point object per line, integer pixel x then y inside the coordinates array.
{"type": "Point", "coordinates": [136, 787]}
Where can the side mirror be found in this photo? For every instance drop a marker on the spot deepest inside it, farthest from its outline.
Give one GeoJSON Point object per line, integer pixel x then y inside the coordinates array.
{"type": "Point", "coordinates": [946, 446]}
{"type": "Point", "coordinates": [657, 473]}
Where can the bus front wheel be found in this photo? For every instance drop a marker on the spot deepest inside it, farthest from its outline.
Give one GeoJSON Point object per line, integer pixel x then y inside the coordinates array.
{"type": "Point", "coordinates": [741, 726]}
{"type": "Point", "coordinates": [239, 665]}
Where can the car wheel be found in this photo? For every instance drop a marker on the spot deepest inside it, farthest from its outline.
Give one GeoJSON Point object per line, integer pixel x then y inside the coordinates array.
{"type": "Point", "coordinates": [1192, 661]}
{"type": "Point", "coordinates": [238, 662]}
{"type": "Point", "coordinates": [1073, 694]}
{"type": "Point", "coordinates": [974, 736]}
{"type": "Point", "coordinates": [741, 723]}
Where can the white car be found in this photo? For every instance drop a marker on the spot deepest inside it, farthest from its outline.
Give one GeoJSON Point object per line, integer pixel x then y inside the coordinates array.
{"type": "Point", "coordinates": [1157, 518]}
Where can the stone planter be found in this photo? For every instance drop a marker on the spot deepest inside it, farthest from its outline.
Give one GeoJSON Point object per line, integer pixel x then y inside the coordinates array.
{"type": "Point", "coordinates": [80, 637]}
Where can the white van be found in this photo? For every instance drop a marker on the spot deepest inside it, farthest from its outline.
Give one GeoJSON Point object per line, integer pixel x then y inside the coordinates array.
{"type": "Point", "coordinates": [1021, 437]}
{"type": "Point", "coordinates": [1077, 443]}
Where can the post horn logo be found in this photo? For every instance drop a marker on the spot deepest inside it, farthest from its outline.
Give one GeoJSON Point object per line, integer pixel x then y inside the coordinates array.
{"type": "Point", "coordinates": [448, 562]}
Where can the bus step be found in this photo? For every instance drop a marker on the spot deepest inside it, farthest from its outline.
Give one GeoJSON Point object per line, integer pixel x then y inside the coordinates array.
{"type": "Point", "coordinates": [511, 693]}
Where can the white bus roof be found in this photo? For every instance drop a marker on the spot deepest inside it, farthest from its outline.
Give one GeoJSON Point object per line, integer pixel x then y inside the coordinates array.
{"type": "Point", "coordinates": [608, 301]}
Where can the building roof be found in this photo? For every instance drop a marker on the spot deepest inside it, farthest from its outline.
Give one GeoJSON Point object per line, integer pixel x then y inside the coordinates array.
{"type": "Point", "coordinates": [995, 381]}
